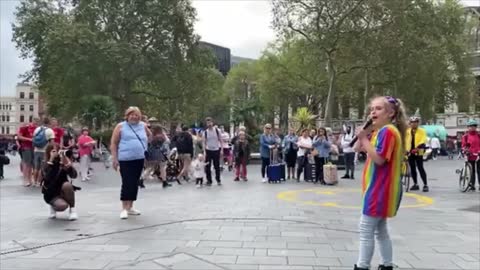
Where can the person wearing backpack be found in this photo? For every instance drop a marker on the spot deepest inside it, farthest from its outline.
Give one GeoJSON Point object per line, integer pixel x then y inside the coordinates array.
{"type": "Point", "coordinates": [42, 136]}
{"type": "Point", "coordinates": [212, 145]}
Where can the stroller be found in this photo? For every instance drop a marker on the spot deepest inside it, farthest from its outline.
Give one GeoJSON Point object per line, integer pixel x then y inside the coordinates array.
{"type": "Point", "coordinates": [173, 167]}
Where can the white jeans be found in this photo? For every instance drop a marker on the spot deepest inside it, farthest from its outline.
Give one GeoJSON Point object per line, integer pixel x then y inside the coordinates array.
{"type": "Point", "coordinates": [368, 226]}
{"type": "Point", "coordinates": [84, 165]}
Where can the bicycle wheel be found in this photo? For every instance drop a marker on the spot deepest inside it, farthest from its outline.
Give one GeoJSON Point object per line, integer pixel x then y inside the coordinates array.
{"type": "Point", "coordinates": [464, 178]}
{"type": "Point", "coordinates": [407, 182]}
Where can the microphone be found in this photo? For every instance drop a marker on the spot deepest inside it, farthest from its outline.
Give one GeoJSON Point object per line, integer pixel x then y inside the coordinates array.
{"type": "Point", "coordinates": [365, 126]}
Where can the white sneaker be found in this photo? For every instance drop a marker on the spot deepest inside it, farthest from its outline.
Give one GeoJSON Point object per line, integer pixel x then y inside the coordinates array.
{"type": "Point", "coordinates": [73, 214]}
{"type": "Point", "coordinates": [199, 186]}
{"type": "Point", "coordinates": [53, 213]}
{"type": "Point", "coordinates": [84, 179]}
{"type": "Point", "coordinates": [265, 180]}
{"type": "Point", "coordinates": [124, 214]}
{"type": "Point", "coordinates": [133, 212]}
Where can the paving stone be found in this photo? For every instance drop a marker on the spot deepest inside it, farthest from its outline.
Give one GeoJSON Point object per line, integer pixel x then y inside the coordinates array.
{"type": "Point", "coordinates": [313, 261]}
{"type": "Point", "coordinates": [261, 260]}
{"type": "Point", "coordinates": [228, 244]}
{"type": "Point", "coordinates": [264, 244]}
{"type": "Point", "coordinates": [23, 263]}
{"type": "Point", "coordinates": [234, 251]}
{"type": "Point", "coordinates": [291, 252]}
{"type": "Point", "coordinates": [136, 266]}
{"type": "Point", "coordinates": [84, 264]}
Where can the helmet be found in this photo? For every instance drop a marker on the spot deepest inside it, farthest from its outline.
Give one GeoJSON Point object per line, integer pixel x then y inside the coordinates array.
{"type": "Point", "coordinates": [472, 122]}
{"type": "Point", "coordinates": [414, 119]}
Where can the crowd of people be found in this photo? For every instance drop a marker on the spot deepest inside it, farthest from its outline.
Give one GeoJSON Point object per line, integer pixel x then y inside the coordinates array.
{"type": "Point", "coordinates": [141, 149]}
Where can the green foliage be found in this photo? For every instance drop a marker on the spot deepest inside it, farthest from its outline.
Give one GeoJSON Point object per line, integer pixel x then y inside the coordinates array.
{"type": "Point", "coordinates": [304, 119]}
{"type": "Point", "coordinates": [135, 52]}
{"type": "Point", "coordinates": [98, 112]}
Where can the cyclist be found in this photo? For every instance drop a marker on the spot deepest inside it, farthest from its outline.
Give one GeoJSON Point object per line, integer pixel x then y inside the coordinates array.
{"type": "Point", "coordinates": [415, 145]}
{"type": "Point", "coordinates": [471, 146]}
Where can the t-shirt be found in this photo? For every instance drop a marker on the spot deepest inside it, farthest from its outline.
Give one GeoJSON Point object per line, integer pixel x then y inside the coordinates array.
{"type": "Point", "coordinates": [26, 131]}
{"type": "Point", "coordinates": [84, 148]}
{"type": "Point", "coordinates": [212, 139]}
{"type": "Point", "coordinates": [48, 133]}
{"type": "Point", "coordinates": [306, 142]}
{"type": "Point", "coordinates": [58, 134]}
{"type": "Point", "coordinates": [382, 188]}
{"type": "Point", "coordinates": [435, 143]}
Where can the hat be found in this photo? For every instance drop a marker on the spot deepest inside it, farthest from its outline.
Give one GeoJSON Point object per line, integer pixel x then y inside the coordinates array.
{"type": "Point", "coordinates": [152, 119]}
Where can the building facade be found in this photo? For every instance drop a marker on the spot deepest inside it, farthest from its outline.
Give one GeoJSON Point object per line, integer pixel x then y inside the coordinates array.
{"type": "Point", "coordinates": [20, 109]}
{"type": "Point", "coordinates": [222, 55]}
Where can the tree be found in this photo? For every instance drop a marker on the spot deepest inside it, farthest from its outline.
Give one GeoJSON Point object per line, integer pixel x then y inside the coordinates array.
{"type": "Point", "coordinates": [136, 52]}
{"type": "Point", "coordinates": [98, 112]}
{"type": "Point", "coordinates": [304, 119]}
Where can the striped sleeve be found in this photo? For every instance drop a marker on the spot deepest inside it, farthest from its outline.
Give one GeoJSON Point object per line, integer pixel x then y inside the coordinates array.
{"type": "Point", "coordinates": [385, 143]}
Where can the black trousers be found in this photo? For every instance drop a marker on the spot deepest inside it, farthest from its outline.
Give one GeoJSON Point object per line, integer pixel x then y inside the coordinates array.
{"type": "Point", "coordinates": [417, 162]}
{"type": "Point", "coordinates": [319, 162]}
{"type": "Point", "coordinates": [130, 171]}
{"type": "Point", "coordinates": [265, 164]}
{"type": "Point", "coordinates": [349, 163]}
{"type": "Point", "coordinates": [302, 162]}
{"type": "Point", "coordinates": [1, 170]}
{"type": "Point", "coordinates": [475, 168]}
{"type": "Point", "coordinates": [212, 157]}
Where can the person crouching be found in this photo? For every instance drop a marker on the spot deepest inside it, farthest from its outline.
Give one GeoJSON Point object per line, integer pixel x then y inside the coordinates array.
{"type": "Point", "coordinates": [57, 190]}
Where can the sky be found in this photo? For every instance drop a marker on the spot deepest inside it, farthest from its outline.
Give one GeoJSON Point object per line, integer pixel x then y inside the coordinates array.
{"type": "Point", "coordinates": [244, 26]}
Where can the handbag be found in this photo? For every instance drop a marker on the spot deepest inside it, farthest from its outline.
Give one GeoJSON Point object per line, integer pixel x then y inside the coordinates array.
{"type": "Point", "coordinates": [141, 142]}
{"type": "Point", "coordinates": [315, 152]}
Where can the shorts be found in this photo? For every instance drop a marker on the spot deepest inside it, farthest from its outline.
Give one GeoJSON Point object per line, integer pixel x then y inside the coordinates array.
{"type": "Point", "coordinates": [185, 157]}
{"type": "Point", "coordinates": [27, 157]}
{"type": "Point", "coordinates": [38, 158]}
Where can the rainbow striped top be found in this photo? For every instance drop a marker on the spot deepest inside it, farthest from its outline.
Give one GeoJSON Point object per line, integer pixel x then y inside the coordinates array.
{"type": "Point", "coordinates": [382, 188]}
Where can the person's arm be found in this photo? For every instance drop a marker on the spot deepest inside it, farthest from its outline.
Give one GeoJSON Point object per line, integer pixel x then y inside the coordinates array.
{"type": "Point", "coordinates": [114, 145]}
{"type": "Point", "coordinates": [148, 132]}
{"type": "Point", "coordinates": [21, 137]}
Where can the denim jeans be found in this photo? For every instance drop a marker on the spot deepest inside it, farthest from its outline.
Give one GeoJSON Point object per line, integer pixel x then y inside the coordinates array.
{"type": "Point", "coordinates": [368, 226]}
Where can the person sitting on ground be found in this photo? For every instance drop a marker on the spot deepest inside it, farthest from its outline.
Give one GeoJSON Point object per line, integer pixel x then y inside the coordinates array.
{"type": "Point", "coordinates": [57, 190]}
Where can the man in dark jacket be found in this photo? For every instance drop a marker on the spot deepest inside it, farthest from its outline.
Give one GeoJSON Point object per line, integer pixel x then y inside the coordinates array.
{"type": "Point", "coordinates": [183, 141]}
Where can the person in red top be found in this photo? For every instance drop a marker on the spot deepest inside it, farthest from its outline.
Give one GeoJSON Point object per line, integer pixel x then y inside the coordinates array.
{"type": "Point", "coordinates": [471, 145]}
{"type": "Point", "coordinates": [25, 136]}
{"type": "Point", "coordinates": [58, 131]}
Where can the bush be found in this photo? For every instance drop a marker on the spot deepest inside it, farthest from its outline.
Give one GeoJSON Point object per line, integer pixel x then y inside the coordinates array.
{"type": "Point", "coordinates": [104, 136]}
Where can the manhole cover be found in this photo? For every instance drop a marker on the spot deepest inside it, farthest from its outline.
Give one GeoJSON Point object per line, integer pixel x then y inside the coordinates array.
{"type": "Point", "coordinates": [475, 208]}
{"type": "Point", "coordinates": [72, 230]}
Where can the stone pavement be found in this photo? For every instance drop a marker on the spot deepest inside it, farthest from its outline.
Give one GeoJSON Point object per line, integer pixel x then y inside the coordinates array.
{"type": "Point", "coordinates": [236, 226]}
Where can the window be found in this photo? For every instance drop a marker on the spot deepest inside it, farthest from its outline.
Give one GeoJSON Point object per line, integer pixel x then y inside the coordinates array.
{"type": "Point", "coordinates": [3, 130]}
{"type": "Point", "coordinates": [8, 118]}
{"type": "Point", "coordinates": [31, 108]}
{"type": "Point", "coordinates": [3, 118]}
{"type": "Point", "coordinates": [22, 95]}
{"type": "Point", "coordinates": [22, 118]}
{"type": "Point", "coordinates": [22, 107]}
{"type": "Point", "coordinates": [8, 130]}
{"type": "Point", "coordinates": [9, 107]}
{"type": "Point", "coordinates": [30, 118]}
{"type": "Point", "coordinates": [30, 95]}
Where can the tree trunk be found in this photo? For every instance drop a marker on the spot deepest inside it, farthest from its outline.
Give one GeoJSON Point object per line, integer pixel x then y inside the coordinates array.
{"type": "Point", "coordinates": [328, 105]}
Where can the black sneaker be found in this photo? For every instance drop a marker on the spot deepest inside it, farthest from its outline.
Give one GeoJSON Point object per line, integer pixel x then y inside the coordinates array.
{"type": "Point", "coordinates": [383, 267]}
{"type": "Point", "coordinates": [141, 184]}
{"type": "Point", "coordinates": [166, 184]}
{"type": "Point", "coordinates": [415, 187]}
{"type": "Point", "coordinates": [355, 267]}
{"type": "Point", "coordinates": [208, 184]}
{"type": "Point", "coordinates": [425, 189]}
{"type": "Point", "coordinates": [345, 177]}
{"type": "Point", "coordinates": [219, 183]}
{"type": "Point", "coordinates": [236, 179]}
{"type": "Point", "coordinates": [472, 188]}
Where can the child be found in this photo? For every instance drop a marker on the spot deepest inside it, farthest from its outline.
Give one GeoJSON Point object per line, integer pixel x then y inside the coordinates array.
{"type": "Point", "coordinates": [198, 166]}
{"type": "Point", "coordinates": [156, 161]}
{"type": "Point", "coordinates": [382, 188]}
{"type": "Point", "coordinates": [241, 152]}
{"type": "Point", "coordinates": [4, 160]}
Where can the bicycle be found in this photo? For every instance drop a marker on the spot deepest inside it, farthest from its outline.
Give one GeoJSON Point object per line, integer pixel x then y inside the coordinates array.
{"type": "Point", "coordinates": [465, 173]}
{"type": "Point", "coordinates": [405, 173]}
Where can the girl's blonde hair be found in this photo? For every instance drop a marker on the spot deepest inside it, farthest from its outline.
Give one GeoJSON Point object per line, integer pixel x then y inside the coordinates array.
{"type": "Point", "coordinates": [399, 118]}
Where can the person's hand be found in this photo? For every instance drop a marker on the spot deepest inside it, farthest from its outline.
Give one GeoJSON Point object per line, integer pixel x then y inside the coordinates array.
{"type": "Point", "coordinates": [115, 164]}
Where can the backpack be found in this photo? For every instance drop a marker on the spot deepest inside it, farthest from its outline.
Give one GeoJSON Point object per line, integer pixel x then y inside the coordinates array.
{"type": "Point", "coordinates": [40, 138]}
{"type": "Point", "coordinates": [218, 134]}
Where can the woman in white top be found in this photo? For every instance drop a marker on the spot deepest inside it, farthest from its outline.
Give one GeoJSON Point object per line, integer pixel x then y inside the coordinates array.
{"type": "Point", "coordinates": [304, 147]}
